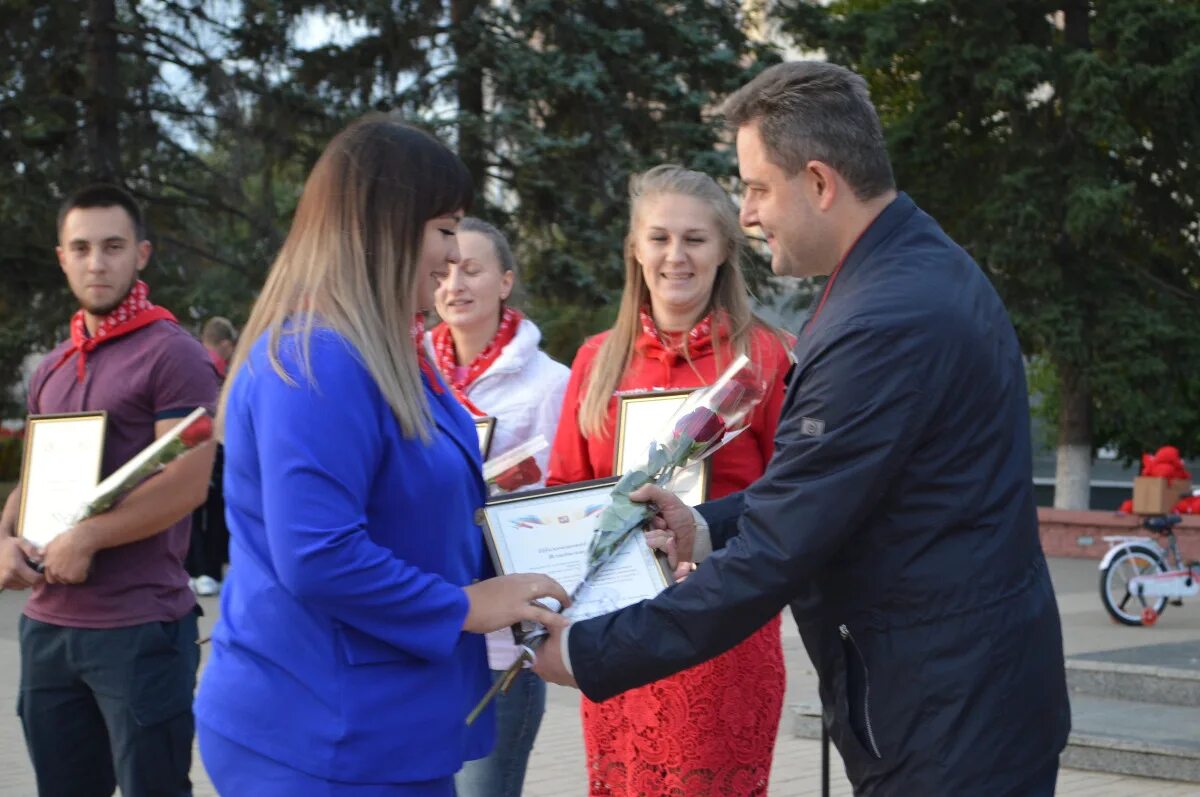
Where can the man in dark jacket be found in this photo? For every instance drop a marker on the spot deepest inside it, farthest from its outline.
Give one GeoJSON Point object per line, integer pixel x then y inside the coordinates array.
{"type": "Point", "coordinates": [897, 515]}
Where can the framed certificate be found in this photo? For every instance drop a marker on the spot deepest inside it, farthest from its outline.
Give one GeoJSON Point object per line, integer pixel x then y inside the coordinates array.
{"type": "Point", "coordinates": [640, 417]}
{"type": "Point", "coordinates": [547, 531]}
{"type": "Point", "coordinates": [59, 470]}
{"type": "Point", "coordinates": [484, 427]}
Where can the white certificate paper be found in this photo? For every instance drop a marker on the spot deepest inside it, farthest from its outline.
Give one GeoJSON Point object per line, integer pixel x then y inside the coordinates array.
{"type": "Point", "coordinates": [60, 469]}
{"type": "Point", "coordinates": [548, 531]}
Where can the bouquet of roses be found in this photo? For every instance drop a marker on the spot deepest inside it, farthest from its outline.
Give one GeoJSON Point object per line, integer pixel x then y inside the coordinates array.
{"type": "Point", "coordinates": [195, 429]}
{"type": "Point", "coordinates": [707, 420]}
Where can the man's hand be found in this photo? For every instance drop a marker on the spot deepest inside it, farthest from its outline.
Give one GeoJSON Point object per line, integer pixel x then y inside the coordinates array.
{"type": "Point", "coordinates": [549, 663]}
{"type": "Point", "coordinates": [15, 572]}
{"type": "Point", "coordinates": [68, 557]}
{"type": "Point", "coordinates": [675, 520]}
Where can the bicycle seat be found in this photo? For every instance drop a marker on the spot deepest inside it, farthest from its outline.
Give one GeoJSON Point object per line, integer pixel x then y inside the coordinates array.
{"type": "Point", "coordinates": [1161, 523]}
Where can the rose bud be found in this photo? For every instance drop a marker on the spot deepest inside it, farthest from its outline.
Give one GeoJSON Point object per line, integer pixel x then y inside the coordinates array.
{"type": "Point", "coordinates": [701, 426]}
{"type": "Point", "coordinates": [197, 432]}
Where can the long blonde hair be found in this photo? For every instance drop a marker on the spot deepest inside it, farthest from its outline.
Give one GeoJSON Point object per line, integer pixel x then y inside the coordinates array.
{"type": "Point", "coordinates": [729, 293]}
{"type": "Point", "coordinates": [350, 260]}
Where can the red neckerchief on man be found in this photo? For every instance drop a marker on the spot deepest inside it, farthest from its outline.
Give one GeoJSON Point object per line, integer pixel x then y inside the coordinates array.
{"type": "Point", "coordinates": [447, 357]}
{"type": "Point", "coordinates": [134, 312]}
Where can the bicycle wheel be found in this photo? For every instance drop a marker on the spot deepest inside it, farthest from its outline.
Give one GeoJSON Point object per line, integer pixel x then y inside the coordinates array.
{"type": "Point", "coordinates": [1124, 606]}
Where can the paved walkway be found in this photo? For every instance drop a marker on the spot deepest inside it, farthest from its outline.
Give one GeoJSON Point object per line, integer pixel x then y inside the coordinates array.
{"type": "Point", "coordinates": [557, 766]}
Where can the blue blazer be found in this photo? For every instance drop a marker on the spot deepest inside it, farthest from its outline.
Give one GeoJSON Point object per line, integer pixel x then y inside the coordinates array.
{"type": "Point", "coordinates": [340, 650]}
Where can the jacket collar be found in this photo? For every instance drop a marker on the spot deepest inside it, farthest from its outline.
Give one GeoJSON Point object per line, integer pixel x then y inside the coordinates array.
{"type": "Point", "coordinates": [898, 211]}
{"type": "Point", "coordinates": [519, 351]}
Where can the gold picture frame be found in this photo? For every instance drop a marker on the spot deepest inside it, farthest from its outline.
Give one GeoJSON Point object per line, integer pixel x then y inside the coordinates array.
{"type": "Point", "coordinates": [642, 416]}
{"type": "Point", "coordinates": [60, 466]}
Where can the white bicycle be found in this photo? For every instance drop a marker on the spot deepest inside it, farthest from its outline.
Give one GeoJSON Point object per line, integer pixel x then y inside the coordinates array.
{"type": "Point", "coordinates": [1138, 576]}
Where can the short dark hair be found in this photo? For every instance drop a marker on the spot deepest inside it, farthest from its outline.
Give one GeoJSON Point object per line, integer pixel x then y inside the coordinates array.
{"type": "Point", "coordinates": [218, 329]}
{"type": "Point", "coordinates": [103, 195]}
{"type": "Point", "coordinates": [815, 110]}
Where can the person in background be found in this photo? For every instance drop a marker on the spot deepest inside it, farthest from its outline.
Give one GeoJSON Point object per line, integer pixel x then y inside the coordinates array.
{"type": "Point", "coordinates": [487, 351]}
{"type": "Point", "coordinates": [209, 548]}
{"type": "Point", "coordinates": [108, 637]}
{"type": "Point", "coordinates": [349, 649]}
{"type": "Point", "coordinates": [219, 339]}
{"type": "Point", "coordinates": [684, 316]}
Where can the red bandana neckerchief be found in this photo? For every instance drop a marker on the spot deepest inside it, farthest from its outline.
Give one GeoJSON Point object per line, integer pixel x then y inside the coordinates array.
{"type": "Point", "coordinates": [447, 357]}
{"type": "Point", "coordinates": [134, 312]}
{"type": "Point", "coordinates": [697, 340]}
{"type": "Point", "coordinates": [417, 330]}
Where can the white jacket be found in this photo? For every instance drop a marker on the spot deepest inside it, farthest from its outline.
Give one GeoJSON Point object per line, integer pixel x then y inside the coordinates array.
{"type": "Point", "coordinates": [523, 390]}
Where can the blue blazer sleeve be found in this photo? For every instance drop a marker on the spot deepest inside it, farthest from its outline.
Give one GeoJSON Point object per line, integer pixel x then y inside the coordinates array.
{"type": "Point", "coordinates": [319, 443]}
{"type": "Point", "coordinates": [867, 389]}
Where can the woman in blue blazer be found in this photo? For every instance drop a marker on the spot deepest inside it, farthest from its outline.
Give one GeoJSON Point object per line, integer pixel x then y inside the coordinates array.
{"type": "Point", "coordinates": [348, 652]}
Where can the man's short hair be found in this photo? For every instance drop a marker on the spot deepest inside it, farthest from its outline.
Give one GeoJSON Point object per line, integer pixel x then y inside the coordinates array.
{"type": "Point", "coordinates": [217, 330]}
{"type": "Point", "coordinates": [815, 110]}
{"type": "Point", "coordinates": [103, 195]}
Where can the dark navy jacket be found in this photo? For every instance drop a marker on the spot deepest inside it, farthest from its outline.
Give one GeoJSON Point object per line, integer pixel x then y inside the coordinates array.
{"type": "Point", "coordinates": [897, 518]}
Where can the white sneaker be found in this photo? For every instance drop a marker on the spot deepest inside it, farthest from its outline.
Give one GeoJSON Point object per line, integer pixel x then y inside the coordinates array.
{"type": "Point", "coordinates": [207, 585]}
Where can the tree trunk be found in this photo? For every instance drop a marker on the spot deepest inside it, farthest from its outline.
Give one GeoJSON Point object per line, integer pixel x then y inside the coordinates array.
{"type": "Point", "coordinates": [464, 37]}
{"type": "Point", "coordinates": [1073, 476]}
{"type": "Point", "coordinates": [104, 149]}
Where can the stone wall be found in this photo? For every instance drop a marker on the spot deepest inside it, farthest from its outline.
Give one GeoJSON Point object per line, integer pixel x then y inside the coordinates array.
{"type": "Point", "coordinates": [1081, 534]}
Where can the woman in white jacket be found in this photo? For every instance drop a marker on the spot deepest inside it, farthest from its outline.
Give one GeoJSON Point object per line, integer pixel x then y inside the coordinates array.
{"type": "Point", "coordinates": [487, 351]}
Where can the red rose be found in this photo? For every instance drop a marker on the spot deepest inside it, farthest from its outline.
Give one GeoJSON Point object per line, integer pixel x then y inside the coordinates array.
{"type": "Point", "coordinates": [1161, 470]}
{"type": "Point", "coordinates": [701, 426]}
{"type": "Point", "coordinates": [197, 432]}
{"type": "Point", "coordinates": [1167, 454]}
{"type": "Point", "coordinates": [522, 474]}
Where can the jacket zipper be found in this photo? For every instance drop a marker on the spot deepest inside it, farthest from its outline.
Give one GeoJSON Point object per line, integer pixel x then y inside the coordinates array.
{"type": "Point", "coordinates": [845, 632]}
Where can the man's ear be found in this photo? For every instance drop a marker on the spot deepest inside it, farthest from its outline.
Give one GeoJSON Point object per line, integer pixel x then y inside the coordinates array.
{"type": "Point", "coordinates": [822, 182]}
{"type": "Point", "coordinates": [144, 249]}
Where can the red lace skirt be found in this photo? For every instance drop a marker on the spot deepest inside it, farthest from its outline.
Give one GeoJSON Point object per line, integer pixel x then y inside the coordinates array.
{"type": "Point", "coordinates": [705, 732]}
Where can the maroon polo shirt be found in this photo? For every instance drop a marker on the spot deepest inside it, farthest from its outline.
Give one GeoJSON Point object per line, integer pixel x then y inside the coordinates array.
{"type": "Point", "coordinates": [155, 373]}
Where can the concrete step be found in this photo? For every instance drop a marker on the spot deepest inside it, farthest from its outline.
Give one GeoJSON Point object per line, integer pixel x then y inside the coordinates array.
{"type": "Point", "coordinates": [1168, 674]}
{"type": "Point", "coordinates": [1107, 735]}
{"type": "Point", "coordinates": [1134, 738]}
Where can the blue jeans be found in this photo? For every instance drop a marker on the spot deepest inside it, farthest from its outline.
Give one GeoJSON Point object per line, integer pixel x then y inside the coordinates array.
{"type": "Point", "coordinates": [518, 716]}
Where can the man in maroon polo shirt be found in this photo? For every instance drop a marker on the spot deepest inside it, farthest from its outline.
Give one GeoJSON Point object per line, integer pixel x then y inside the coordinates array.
{"type": "Point", "coordinates": [108, 636]}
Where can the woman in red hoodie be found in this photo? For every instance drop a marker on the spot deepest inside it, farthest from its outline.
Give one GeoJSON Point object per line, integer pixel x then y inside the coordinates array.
{"type": "Point", "coordinates": [684, 316]}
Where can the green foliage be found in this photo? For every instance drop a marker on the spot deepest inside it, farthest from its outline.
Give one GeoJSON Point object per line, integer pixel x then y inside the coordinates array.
{"type": "Point", "coordinates": [11, 451]}
{"type": "Point", "coordinates": [213, 115]}
{"type": "Point", "coordinates": [1056, 142]}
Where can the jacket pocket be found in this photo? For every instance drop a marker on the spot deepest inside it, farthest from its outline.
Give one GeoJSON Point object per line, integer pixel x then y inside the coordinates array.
{"type": "Point", "coordinates": [858, 693]}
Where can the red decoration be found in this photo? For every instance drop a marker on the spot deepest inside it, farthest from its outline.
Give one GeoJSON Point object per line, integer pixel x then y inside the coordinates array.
{"type": "Point", "coordinates": [197, 432]}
